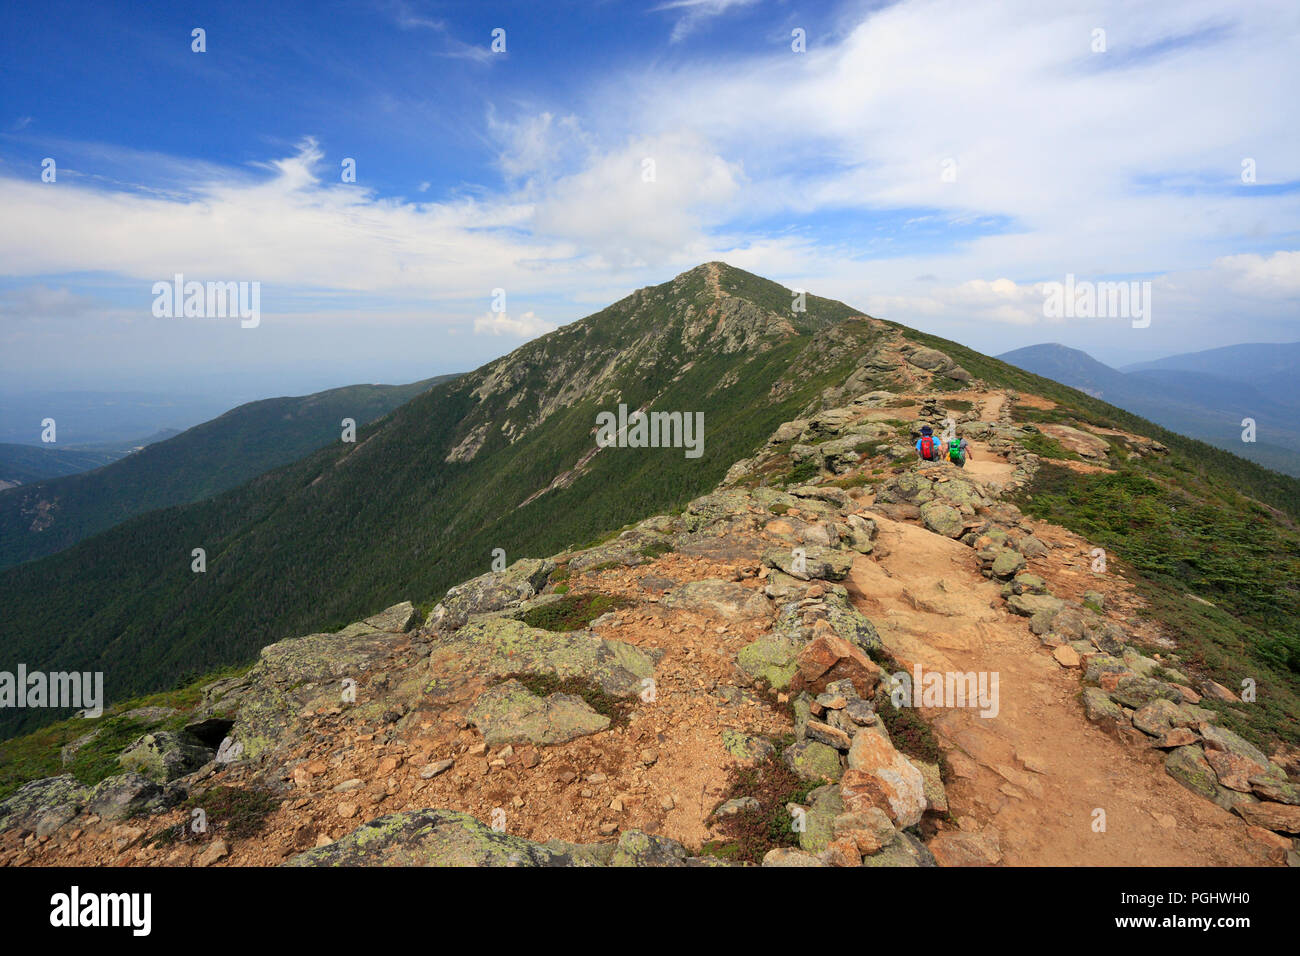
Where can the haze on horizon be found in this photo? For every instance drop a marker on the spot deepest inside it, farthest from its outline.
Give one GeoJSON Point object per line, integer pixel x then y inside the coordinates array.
{"type": "Point", "coordinates": [933, 163]}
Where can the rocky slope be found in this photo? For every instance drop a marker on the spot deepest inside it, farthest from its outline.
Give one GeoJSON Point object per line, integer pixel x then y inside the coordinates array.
{"type": "Point", "coordinates": [714, 687]}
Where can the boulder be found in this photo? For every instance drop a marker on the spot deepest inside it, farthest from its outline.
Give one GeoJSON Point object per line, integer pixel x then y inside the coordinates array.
{"type": "Point", "coordinates": [772, 660]}
{"type": "Point", "coordinates": [726, 599]}
{"type": "Point", "coordinates": [942, 518]}
{"type": "Point", "coordinates": [122, 796]}
{"type": "Point", "coordinates": [880, 776]}
{"type": "Point", "coordinates": [164, 756]}
{"type": "Point", "coordinates": [811, 760]}
{"type": "Point", "coordinates": [510, 713]}
{"type": "Point", "coordinates": [637, 848]}
{"type": "Point", "coordinates": [825, 563]}
{"type": "Point", "coordinates": [43, 806]}
{"type": "Point", "coordinates": [444, 838]}
{"type": "Point", "coordinates": [489, 592]}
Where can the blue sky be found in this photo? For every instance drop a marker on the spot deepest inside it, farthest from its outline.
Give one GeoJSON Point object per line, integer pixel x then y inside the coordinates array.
{"type": "Point", "coordinates": [931, 162]}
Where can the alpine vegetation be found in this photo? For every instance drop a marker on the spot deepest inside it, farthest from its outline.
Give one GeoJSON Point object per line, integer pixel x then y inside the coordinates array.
{"type": "Point", "coordinates": [651, 430]}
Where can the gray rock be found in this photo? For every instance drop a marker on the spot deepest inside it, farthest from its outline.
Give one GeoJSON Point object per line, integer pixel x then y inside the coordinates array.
{"type": "Point", "coordinates": [444, 838]}
{"type": "Point", "coordinates": [43, 806]}
{"type": "Point", "coordinates": [122, 796]}
{"type": "Point", "coordinates": [164, 756]}
{"type": "Point", "coordinates": [510, 713]}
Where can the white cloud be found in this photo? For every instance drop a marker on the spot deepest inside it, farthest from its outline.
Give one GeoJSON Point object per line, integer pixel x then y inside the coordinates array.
{"type": "Point", "coordinates": [527, 326]}
{"type": "Point", "coordinates": [695, 12]}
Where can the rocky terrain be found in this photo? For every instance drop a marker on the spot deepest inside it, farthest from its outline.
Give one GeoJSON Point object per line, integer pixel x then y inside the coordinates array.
{"type": "Point", "coordinates": [719, 686]}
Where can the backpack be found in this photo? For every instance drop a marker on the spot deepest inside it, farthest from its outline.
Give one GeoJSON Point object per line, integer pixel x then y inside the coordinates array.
{"type": "Point", "coordinates": [954, 451]}
{"type": "Point", "coordinates": [927, 448]}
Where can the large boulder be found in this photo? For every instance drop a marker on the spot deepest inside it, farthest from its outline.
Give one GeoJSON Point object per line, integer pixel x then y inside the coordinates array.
{"type": "Point", "coordinates": [879, 776]}
{"type": "Point", "coordinates": [726, 599]}
{"type": "Point", "coordinates": [122, 796]}
{"type": "Point", "coordinates": [164, 755]}
{"type": "Point", "coordinates": [488, 648]}
{"type": "Point", "coordinates": [43, 806]}
{"type": "Point", "coordinates": [302, 674]}
{"type": "Point", "coordinates": [489, 592]}
{"type": "Point", "coordinates": [510, 713]}
{"type": "Point", "coordinates": [824, 563]}
{"type": "Point", "coordinates": [444, 838]}
{"type": "Point", "coordinates": [942, 518]}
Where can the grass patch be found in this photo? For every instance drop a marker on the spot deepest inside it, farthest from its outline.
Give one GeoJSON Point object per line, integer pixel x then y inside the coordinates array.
{"type": "Point", "coordinates": [572, 612]}
{"type": "Point", "coordinates": [802, 473]}
{"type": "Point", "coordinates": [1184, 537]}
{"type": "Point", "coordinates": [241, 813]}
{"type": "Point", "coordinates": [750, 834]}
{"type": "Point", "coordinates": [1044, 446]}
{"type": "Point", "coordinates": [657, 549]}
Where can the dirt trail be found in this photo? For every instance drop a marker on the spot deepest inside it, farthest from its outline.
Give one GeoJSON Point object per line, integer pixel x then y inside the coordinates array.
{"type": "Point", "coordinates": [1028, 780]}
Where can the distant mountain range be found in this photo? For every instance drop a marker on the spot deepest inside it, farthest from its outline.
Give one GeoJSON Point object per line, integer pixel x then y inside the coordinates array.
{"type": "Point", "coordinates": [1202, 394]}
{"type": "Point", "coordinates": [42, 517]}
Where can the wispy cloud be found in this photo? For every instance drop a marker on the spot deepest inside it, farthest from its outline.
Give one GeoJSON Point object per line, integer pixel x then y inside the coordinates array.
{"type": "Point", "coordinates": [693, 13]}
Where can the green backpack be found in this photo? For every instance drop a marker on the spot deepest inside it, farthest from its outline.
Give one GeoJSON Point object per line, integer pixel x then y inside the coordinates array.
{"type": "Point", "coordinates": [954, 451]}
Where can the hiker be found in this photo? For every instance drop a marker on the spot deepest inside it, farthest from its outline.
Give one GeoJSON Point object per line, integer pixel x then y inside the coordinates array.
{"type": "Point", "coordinates": [956, 451]}
{"type": "Point", "coordinates": [927, 446]}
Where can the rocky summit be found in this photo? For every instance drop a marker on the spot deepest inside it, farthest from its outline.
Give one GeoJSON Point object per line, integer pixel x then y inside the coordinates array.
{"type": "Point", "coordinates": [829, 655]}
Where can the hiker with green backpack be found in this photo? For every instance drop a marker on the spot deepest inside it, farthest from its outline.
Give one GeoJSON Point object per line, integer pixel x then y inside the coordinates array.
{"type": "Point", "coordinates": [956, 451]}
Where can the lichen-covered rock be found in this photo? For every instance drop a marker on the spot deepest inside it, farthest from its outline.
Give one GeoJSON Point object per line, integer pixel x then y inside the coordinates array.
{"type": "Point", "coordinates": [164, 755]}
{"type": "Point", "coordinates": [727, 599]}
{"type": "Point", "coordinates": [905, 851]}
{"type": "Point", "coordinates": [510, 713]}
{"type": "Point", "coordinates": [749, 747]}
{"type": "Point", "coordinates": [1007, 564]}
{"type": "Point", "coordinates": [444, 838]}
{"type": "Point", "coordinates": [299, 674]}
{"type": "Point", "coordinates": [1189, 767]}
{"type": "Point", "coordinates": [43, 806]}
{"type": "Point", "coordinates": [487, 648]}
{"type": "Point", "coordinates": [1283, 818]}
{"type": "Point", "coordinates": [1139, 691]}
{"type": "Point", "coordinates": [815, 562]}
{"type": "Point", "coordinates": [789, 856]}
{"type": "Point", "coordinates": [489, 592]}
{"type": "Point", "coordinates": [1031, 605]}
{"type": "Point", "coordinates": [942, 518]}
{"type": "Point", "coordinates": [847, 621]}
{"type": "Point", "coordinates": [122, 796]}
{"type": "Point", "coordinates": [861, 534]}
{"type": "Point", "coordinates": [811, 760]}
{"type": "Point", "coordinates": [729, 508]}
{"type": "Point", "coordinates": [637, 848]}
{"type": "Point", "coordinates": [825, 804]}
{"type": "Point", "coordinates": [772, 660]}
{"type": "Point", "coordinates": [1099, 708]}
